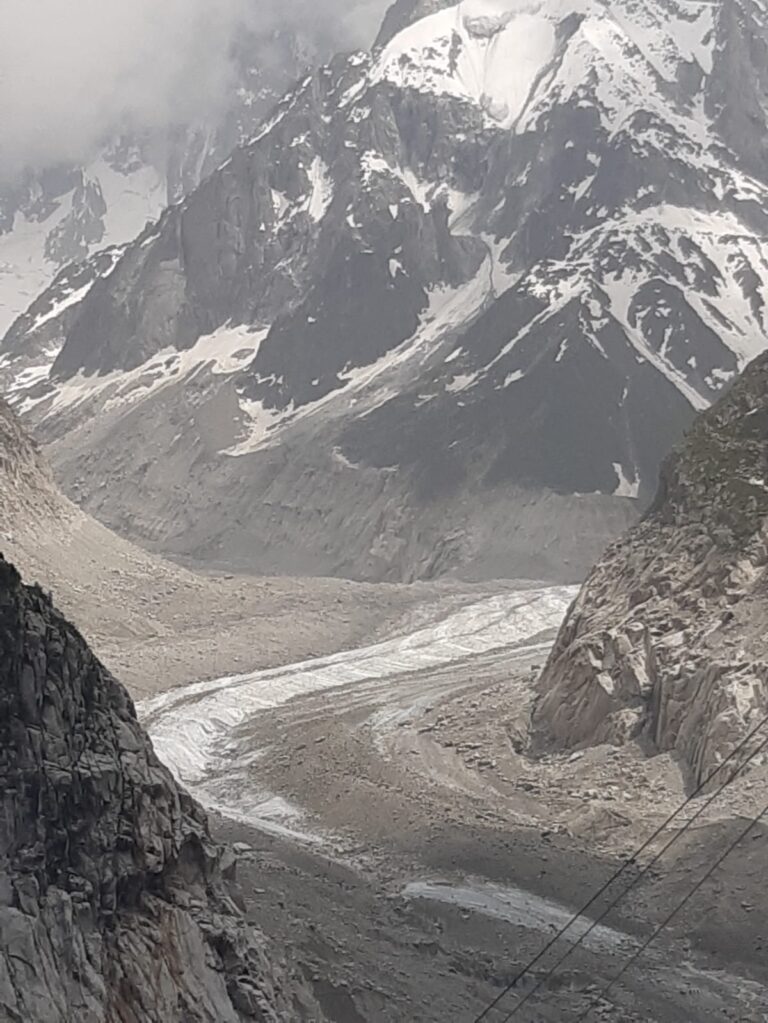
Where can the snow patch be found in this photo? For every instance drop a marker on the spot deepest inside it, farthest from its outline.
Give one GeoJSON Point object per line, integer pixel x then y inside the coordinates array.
{"type": "Point", "coordinates": [63, 304]}
{"type": "Point", "coordinates": [461, 383]}
{"type": "Point", "coordinates": [626, 487]}
{"type": "Point", "coordinates": [224, 352]}
{"type": "Point", "coordinates": [321, 195]}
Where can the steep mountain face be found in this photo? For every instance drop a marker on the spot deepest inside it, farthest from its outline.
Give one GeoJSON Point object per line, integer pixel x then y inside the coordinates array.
{"type": "Point", "coordinates": [62, 215]}
{"type": "Point", "coordinates": [465, 293]}
{"type": "Point", "coordinates": [112, 903]}
{"type": "Point", "coordinates": [666, 641]}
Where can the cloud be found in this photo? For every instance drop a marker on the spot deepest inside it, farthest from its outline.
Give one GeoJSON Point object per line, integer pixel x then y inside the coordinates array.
{"type": "Point", "coordinates": [74, 71]}
{"type": "Point", "coordinates": [348, 23]}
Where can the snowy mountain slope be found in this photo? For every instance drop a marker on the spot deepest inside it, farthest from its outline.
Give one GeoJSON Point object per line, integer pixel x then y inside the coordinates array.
{"type": "Point", "coordinates": [486, 276]}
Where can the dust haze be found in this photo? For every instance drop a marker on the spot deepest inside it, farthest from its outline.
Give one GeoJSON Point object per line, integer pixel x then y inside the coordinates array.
{"type": "Point", "coordinates": [73, 73]}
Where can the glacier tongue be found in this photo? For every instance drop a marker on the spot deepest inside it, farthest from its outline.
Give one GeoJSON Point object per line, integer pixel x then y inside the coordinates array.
{"type": "Point", "coordinates": [194, 728]}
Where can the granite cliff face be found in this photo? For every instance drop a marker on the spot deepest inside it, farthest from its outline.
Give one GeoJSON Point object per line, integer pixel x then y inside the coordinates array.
{"type": "Point", "coordinates": [464, 293]}
{"type": "Point", "coordinates": [667, 640]}
{"type": "Point", "coordinates": [112, 904]}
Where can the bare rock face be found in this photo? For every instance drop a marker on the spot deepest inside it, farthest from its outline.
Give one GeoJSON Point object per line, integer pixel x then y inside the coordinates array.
{"type": "Point", "coordinates": [112, 906]}
{"type": "Point", "coordinates": [27, 484]}
{"type": "Point", "coordinates": [667, 641]}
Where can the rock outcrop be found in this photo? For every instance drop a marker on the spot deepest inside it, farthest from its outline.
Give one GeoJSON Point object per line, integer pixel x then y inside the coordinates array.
{"type": "Point", "coordinates": [112, 903]}
{"type": "Point", "coordinates": [26, 483]}
{"type": "Point", "coordinates": [667, 641]}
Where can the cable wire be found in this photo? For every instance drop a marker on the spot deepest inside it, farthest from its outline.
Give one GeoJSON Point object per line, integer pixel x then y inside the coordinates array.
{"type": "Point", "coordinates": [668, 920]}
{"type": "Point", "coordinates": [617, 874]}
{"type": "Point", "coordinates": [635, 881]}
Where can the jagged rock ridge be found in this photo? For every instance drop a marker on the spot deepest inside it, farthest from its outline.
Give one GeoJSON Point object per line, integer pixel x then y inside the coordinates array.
{"type": "Point", "coordinates": [486, 276]}
{"type": "Point", "coordinates": [112, 904]}
{"type": "Point", "coordinates": [666, 642]}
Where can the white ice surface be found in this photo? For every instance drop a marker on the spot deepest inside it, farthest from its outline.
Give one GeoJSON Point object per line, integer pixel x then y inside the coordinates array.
{"type": "Point", "coordinates": [523, 909]}
{"type": "Point", "coordinates": [192, 727]}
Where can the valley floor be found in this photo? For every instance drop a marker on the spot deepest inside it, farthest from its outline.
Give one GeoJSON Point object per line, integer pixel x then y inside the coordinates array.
{"type": "Point", "coordinates": [400, 845]}
{"type": "Point", "coordinates": [156, 624]}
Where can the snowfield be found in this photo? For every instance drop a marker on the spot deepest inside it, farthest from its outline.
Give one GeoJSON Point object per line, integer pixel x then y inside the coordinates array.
{"type": "Point", "coordinates": [26, 267]}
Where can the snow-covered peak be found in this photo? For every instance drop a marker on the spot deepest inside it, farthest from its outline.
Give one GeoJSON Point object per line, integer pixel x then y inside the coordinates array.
{"type": "Point", "coordinates": [486, 52]}
{"type": "Point", "coordinates": [509, 56]}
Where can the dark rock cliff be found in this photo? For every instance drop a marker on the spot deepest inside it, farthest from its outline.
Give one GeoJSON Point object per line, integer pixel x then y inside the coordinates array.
{"type": "Point", "coordinates": [112, 904]}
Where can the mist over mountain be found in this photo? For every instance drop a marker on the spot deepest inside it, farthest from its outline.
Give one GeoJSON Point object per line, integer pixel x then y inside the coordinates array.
{"type": "Point", "coordinates": [75, 74]}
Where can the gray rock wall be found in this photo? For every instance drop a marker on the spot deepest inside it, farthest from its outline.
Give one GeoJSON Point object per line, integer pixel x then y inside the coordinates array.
{"type": "Point", "coordinates": [667, 641]}
{"type": "Point", "coordinates": [112, 904]}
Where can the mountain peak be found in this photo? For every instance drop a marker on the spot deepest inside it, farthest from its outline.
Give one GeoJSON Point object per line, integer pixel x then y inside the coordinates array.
{"type": "Point", "coordinates": [515, 59]}
{"type": "Point", "coordinates": [512, 254]}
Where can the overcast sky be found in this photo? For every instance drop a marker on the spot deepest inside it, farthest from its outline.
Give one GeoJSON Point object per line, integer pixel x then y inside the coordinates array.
{"type": "Point", "coordinates": [72, 69]}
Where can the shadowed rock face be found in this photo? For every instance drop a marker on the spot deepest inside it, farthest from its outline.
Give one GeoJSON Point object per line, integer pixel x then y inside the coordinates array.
{"type": "Point", "coordinates": [112, 906]}
{"type": "Point", "coordinates": [667, 640]}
